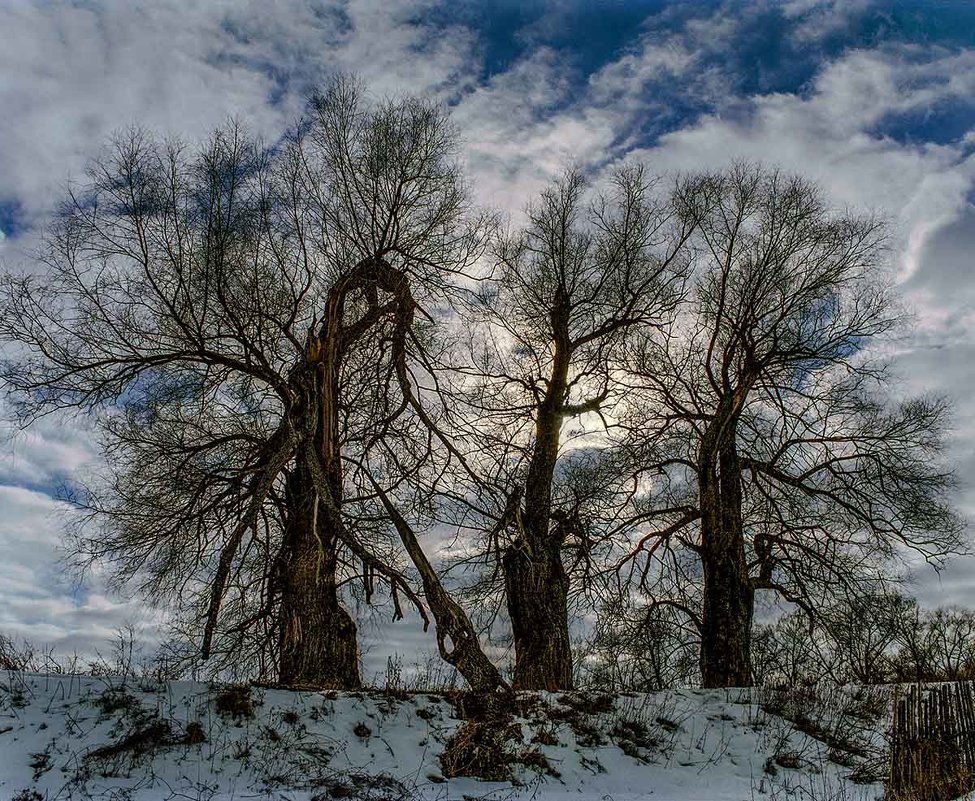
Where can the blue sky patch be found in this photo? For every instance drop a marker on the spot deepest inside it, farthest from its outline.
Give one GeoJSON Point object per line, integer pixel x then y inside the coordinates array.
{"type": "Point", "coordinates": [11, 217]}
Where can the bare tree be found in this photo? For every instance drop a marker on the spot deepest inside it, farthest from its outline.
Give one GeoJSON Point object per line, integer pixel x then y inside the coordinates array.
{"type": "Point", "coordinates": [868, 639]}
{"type": "Point", "coordinates": [568, 290]}
{"type": "Point", "coordinates": [787, 652]}
{"type": "Point", "coordinates": [767, 420]}
{"type": "Point", "coordinates": [640, 647]}
{"type": "Point", "coordinates": [951, 632]}
{"type": "Point", "coordinates": [863, 633]}
{"type": "Point", "coordinates": [241, 321]}
{"type": "Point", "coordinates": [934, 645]}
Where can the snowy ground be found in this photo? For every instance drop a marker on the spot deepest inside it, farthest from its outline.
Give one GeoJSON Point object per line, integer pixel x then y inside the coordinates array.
{"type": "Point", "coordinates": [67, 737]}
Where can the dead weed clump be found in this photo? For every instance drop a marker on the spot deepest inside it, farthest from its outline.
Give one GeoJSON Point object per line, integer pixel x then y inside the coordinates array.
{"type": "Point", "coordinates": [116, 700]}
{"type": "Point", "coordinates": [588, 703]}
{"type": "Point", "coordinates": [481, 748]}
{"type": "Point", "coordinates": [27, 795]}
{"type": "Point", "coordinates": [236, 702]}
{"type": "Point", "coordinates": [194, 733]}
{"type": "Point", "coordinates": [364, 787]}
{"type": "Point", "coordinates": [634, 738]}
{"type": "Point", "coordinates": [582, 717]}
{"type": "Point", "coordinates": [490, 743]}
{"type": "Point", "coordinates": [140, 740]}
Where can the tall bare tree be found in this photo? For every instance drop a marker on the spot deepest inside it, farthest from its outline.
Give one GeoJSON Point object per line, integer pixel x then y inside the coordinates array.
{"type": "Point", "coordinates": [790, 466]}
{"type": "Point", "coordinates": [569, 289]}
{"type": "Point", "coordinates": [241, 321]}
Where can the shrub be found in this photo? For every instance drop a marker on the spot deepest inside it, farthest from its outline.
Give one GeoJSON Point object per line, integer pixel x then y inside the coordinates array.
{"type": "Point", "coordinates": [236, 702]}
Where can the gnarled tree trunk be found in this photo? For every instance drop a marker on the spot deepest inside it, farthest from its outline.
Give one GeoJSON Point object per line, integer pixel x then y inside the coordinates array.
{"type": "Point", "coordinates": [318, 642]}
{"type": "Point", "coordinates": [318, 637]}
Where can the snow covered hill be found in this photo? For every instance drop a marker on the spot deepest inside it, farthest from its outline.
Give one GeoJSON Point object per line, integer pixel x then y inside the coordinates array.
{"type": "Point", "coordinates": [70, 737]}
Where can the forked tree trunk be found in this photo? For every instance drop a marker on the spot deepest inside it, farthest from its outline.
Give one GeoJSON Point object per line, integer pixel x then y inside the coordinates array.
{"type": "Point", "coordinates": [318, 639]}
{"type": "Point", "coordinates": [726, 617]}
{"type": "Point", "coordinates": [319, 644]}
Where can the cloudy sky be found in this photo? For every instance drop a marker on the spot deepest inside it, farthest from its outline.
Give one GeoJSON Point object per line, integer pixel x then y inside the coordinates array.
{"type": "Point", "coordinates": [875, 99]}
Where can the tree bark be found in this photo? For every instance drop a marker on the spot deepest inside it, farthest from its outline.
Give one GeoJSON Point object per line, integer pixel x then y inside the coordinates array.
{"type": "Point", "coordinates": [537, 592]}
{"type": "Point", "coordinates": [536, 585]}
{"type": "Point", "coordinates": [726, 618]}
{"type": "Point", "coordinates": [318, 638]}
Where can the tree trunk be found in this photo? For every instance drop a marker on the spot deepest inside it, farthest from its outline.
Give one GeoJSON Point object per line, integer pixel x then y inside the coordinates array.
{"type": "Point", "coordinates": [726, 623]}
{"type": "Point", "coordinates": [536, 585]}
{"type": "Point", "coordinates": [726, 619]}
{"type": "Point", "coordinates": [537, 592]}
{"type": "Point", "coordinates": [319, 646]}
{"type": "Point", "coordinates": [318, 642]}
{"type": "Point", "coordinates": [457, 639]}
{"type": "Point", "coordinates": [318, 637]}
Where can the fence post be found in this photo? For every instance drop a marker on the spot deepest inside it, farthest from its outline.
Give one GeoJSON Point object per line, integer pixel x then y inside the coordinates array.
{"type": "Point", "coordinates": [932, 743]}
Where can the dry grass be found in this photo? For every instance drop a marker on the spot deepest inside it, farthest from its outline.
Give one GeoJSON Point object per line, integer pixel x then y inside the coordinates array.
{"type": "Point", "coordinates": [480, 748]}
{"type": "Point", "coordinates": [235, 701]}
{"type": "Point", "coordinates": [932, 772]}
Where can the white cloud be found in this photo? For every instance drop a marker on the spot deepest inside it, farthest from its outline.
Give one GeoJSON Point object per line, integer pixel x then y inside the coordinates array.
{"type": "Point", "coordinates": [828, 135]}
{"type": "Point", "coordinates": [655, 59]}
{"type": "Point", "coordinates": [70, 74]}
{"type": "Point", "coordinates": [39, 599]}
{"type": "Point", "coordinates": [518, 133]}
{"type": "Point", "coordinates": [46, 453]}
{"type": "Point", "coordinates": [817, 19]}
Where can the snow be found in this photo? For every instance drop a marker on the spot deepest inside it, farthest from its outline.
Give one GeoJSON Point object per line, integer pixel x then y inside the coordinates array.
{"type": "Point", "coordinates": [70, 737]}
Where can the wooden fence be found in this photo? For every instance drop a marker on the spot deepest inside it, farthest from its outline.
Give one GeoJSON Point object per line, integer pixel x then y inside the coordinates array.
{"type": "Point", "coordinates": [933, 742]}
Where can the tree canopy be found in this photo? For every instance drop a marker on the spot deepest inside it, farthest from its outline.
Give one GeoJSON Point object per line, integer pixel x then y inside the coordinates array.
{"type": "Point", "coordinates": [660, 397]}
